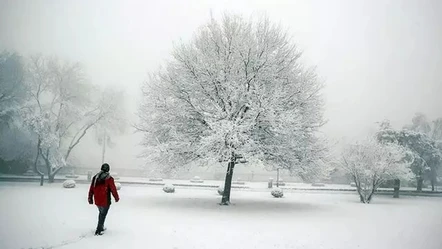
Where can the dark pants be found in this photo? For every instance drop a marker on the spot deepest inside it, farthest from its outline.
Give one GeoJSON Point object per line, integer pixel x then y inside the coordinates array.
{"type": "Point", "coordinates": [102, 217]}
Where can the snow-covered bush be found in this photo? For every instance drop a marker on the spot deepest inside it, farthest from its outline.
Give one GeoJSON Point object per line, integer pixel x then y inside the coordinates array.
{"type": "Point", "coordinates": [169, 188]}
{"type": "Point", "coordinates": [69, 184]}
{"type": "Point", "coordinates": [280, 182]}
{"type": "Point", "coordinates": [156, 179]}
{"type": "Point", "coordinates": [239, 181]}
{"type": "Point", "coordinates": [196, 179]}
{"type": "Point", "coordinates": [277, 192]}
{"type": "Point", "coordinates": [318, 184]}
{"type": "Point", "coordinates": [72, 176]}
{"type": "Point", "coordinates": [118, 185]}
{"type": "Point", "coordinates": [221, 190]}
{"type": "Point", "coordinates": [371, 163]}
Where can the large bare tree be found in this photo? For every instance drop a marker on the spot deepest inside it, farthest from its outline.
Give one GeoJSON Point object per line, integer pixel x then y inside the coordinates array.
{"type": "Point", "coordinates": [237, 89]}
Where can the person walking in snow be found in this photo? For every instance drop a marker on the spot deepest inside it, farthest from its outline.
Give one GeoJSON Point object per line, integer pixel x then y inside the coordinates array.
{"type": "Point", "coordinates": [102, 186]}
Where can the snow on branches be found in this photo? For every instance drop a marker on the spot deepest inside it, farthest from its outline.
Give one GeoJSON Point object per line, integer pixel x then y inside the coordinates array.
{"type": "Point", "coordinates": [12, 86]}
{"type": "Point", "coordinates": [371, 163]}
{"type": "Point", "coordinates": [62, 107]}
{"type": "Point", "coordinates": [237, 87]}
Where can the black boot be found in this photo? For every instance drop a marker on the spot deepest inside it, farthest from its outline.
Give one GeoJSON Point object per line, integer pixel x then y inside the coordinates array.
{"type": "Point", "coordinates": [98, 232]}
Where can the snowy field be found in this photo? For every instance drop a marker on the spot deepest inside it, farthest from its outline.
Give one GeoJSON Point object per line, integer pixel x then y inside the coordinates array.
{"type": "Point", "coordinates": [53, 217]}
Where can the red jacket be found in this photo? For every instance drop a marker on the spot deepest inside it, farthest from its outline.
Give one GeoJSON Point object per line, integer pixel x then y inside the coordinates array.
{"type": "Point", "coordinates": [102, 186]}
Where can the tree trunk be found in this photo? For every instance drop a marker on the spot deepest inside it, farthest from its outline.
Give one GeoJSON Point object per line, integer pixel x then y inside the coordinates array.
{"type": "Point", "coordinates": [228, 183]}
{"type": "Point", "coordinates": [277, 178]}
{"type": "Point", "coordinates": [370, 196]}
{"type": "Point", "coordinates": [358, 188]}
{"type": "Point", "coordinates": [432, 184]}
{"type": "Point", "coordinates": [49, 169]}
{"type": "Point", "coordinates": [53, 173]}
{"type": "Point", "coordinates": [360, 192]}
{"type": "Point", "coordinates": [51, 178]}
{"type": "Point", "coordinates": [397, 186]}
{"type": "Point", "coordinates": [433, 178]}
{"type": "Point", "coordinates": [364, 196]}
{"type": "Point", "coordinates": [420, 182]}
{"type": "Point", "coordinates": [36, 163]}
{"type": "Point", "coordinates": [103, 149]}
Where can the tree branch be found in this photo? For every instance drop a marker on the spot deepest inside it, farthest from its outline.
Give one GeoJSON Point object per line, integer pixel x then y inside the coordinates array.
{"type": "Point", "coordinates": [75, 142]}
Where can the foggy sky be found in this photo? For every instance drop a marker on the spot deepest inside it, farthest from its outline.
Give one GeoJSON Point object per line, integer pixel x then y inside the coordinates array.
{"type": "Point", "coordinates": [379, 58]}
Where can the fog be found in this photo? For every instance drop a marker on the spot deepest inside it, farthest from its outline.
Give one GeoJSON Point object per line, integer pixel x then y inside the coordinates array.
{"type": "Point", "coordinates": [379, 59]}
{"type": "Point", "coordinates": [235, 96]}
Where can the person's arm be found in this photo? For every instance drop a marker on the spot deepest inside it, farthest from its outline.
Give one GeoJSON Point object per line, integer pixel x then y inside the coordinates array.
{"type": "Point", "coordinates": [113, 189]}
{"type": "Point", "coordinates": [91, 192]}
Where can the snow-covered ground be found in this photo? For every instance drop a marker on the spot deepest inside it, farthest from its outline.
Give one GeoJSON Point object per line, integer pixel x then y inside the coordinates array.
{"type": "Point", "coordinates": [53, 217]}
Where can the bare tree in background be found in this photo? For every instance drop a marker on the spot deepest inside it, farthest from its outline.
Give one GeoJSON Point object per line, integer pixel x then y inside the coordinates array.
{"type": "Point", "coordinates": [371, 163]}
{"type": "Point", "coordinates": [62, 108]}
{"type": "Point", "coordinates": [237, 89]}
{"type": "Point", "coordinates": [112, 124]}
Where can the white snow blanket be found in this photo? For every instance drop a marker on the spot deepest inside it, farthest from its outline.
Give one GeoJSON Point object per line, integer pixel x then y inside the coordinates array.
{"type": "Point", "coordinates": [300, 220]}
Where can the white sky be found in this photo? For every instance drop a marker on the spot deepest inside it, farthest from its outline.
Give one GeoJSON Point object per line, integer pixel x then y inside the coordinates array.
{"type": "Point", "coordinates": [379, 58]}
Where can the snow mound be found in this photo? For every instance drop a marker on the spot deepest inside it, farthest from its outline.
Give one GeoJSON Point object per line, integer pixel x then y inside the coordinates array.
{"type": "Point", "coordinates": [239, 181]}
{"type": "Point", "coordinates": [280, 182]}
{"type": "Point", "coordinates": [69, 184]}
{"type": "Point", "coordinates": [72, 176]}
{"type": "Point", "coordinates": [118, 185]}
{"type": "Point", "coordinates": [155, 179]}
{"type": "Point", "coordinates": [277, 193]}
{"type": "Point", "coordinates": [169, 188]}
{"type": "Point", "coordinates": [318, 184]}
{"type": "Point", "coordinates": [221, 190]}
{"type": "Point", "coordinates": [196, 179]}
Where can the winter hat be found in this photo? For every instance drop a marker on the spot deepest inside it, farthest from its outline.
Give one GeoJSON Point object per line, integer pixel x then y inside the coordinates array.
{"type": "Point", "coordinates": [105, 167]}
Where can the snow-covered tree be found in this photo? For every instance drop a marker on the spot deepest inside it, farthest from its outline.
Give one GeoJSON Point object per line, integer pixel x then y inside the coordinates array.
{"type": "Point", "coordinates": [16, 148]}
{"type": "Point", "coordinates": [371, 163]}
{"type": "Point", "coordinates": [238, 88]}
{"type": "Point", "coordinates": [13, 89]}
{"type": "Point", "coordinates": [14, 141]}
{"type": "Point", "coordinates": [419, 123]}
{"type": "Point", "coordinates": [63, 107]}
{"type": "Point", "coordinates": [436, 131]}
{"type": "Point", "coordinates": [427, 155]}
{"type": "Point", "coordinates": [436, 135]}
{"type": "Point", "coordinates": [433, 130]}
